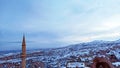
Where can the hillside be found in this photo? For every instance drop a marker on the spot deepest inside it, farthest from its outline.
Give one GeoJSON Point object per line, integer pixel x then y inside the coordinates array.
{"type": "Point", "coordinates": [59, 57]}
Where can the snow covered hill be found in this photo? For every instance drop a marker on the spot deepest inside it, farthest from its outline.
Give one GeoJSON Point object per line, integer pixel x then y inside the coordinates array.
{"type": "Point", "coordinates": [59, 57]}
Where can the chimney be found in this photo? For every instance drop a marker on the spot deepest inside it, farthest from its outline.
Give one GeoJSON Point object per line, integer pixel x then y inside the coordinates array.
{"type": "Point", "coordinates": [23, 56]}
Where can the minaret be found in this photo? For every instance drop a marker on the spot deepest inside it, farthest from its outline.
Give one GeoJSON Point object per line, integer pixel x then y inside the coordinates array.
{"type": "Point", "coordinates": [23, 56]}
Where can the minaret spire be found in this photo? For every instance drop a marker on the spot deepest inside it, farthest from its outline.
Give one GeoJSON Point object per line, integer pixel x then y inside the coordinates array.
{"type": "Point", "coordinates": [23, 56]}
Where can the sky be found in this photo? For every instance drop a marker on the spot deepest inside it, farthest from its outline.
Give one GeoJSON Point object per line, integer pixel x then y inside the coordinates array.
{"type": "Point", "coordinates": [57, 23]}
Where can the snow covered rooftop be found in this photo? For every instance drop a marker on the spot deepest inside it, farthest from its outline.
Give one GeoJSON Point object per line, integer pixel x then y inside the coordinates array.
{"type": "Point", "coordinates": [116, 63]}
{"type": "Point", "coordinates": [75, 64]}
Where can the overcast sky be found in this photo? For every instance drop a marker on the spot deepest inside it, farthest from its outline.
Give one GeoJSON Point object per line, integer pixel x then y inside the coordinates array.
{"type": "Point", "coordinates": [57, 23]}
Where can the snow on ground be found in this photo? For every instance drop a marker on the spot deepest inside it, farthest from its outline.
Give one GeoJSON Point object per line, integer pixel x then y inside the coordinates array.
{"type": "Point", "coordinates": [116, 64]}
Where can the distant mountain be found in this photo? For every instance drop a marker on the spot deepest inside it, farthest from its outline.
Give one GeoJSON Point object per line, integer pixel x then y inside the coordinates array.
{"type": "Point", "coordinates": [83, 52]}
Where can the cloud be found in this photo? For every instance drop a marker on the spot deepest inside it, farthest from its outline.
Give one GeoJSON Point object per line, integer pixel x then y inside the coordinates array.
{"type": "Point", "coordinates": [77, 39]}
{"type": "Point", "coordinates": [60, 22]}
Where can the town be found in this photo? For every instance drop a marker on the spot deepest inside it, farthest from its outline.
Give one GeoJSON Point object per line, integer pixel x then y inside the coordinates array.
{"type": "Point", "coordinates": [38, 59]}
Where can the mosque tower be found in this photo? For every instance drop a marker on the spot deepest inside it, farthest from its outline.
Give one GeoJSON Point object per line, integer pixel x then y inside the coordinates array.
{"type": "Point", "coordinates": [23, 55]}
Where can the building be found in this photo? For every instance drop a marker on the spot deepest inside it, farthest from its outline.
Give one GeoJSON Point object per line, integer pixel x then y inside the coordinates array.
{"type": "Point", "coordinates": [23, 55]}
{"type": "Point", "coordinates": [75, 65]}
{"type": "Point", "coordinates": [101, 62]}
